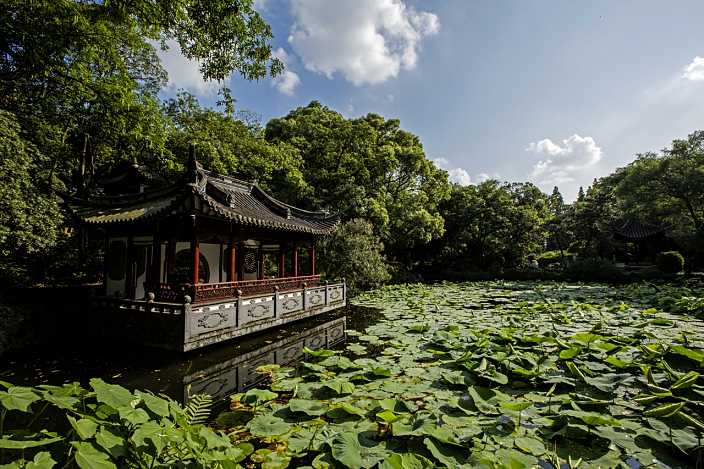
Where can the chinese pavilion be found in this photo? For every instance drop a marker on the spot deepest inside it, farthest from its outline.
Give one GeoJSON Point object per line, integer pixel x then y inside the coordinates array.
{"type": "Point", "coordinates": [640, 242]}
{"type": "Point", "coordinates": [206, 259]}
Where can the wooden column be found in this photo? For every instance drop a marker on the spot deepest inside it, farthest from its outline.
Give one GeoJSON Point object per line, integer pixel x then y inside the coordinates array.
{"type": "Point", "coordinates": [106, 267]}
{"type": "Point", "coordinates": [195, 252]}
{"type": "Point", "coordinates": [232, 261]}
{"type": "Point", "coordinates": [129, 269]}
{"type": "Point", "coordinates": [282, 262]}
{"type": "Point", "coordinates": [170, 260]}
{"type": "Point", "coordinates": [295, 260]}
{"type": "Point", "coordinates": [311, 257]}
{"type": "Point", "coordinates": [153, 278]}
{"type": "Point", "coordinates": [221, 263]}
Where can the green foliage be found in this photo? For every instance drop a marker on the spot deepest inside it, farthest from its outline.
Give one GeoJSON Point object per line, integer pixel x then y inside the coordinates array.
{"type": "Point", "coordinates": [549, 257]}
{"type": "Point", "coordinates": [366, 168]}
{"type": "Point", "coordinates": [198, 409]}
{"type": "Point", "coordinates": [670, 262]}
{"type": "Point", "coordinates": [354, 252]}
{"type": "Point", "coordinates": [487, 382]}
{"type": "Point", "coordinates": [228, 145]}
{"type": "Point", "coordinates": [499, 373]}
{"type": "Point", "coordinates": [29, 212]}
{"type": "Point", "coordinates": [79, 85]}
{"type": "Point", "coordinates": [109, 427]}
{"type": "Point", "coordinates": [491, 225]}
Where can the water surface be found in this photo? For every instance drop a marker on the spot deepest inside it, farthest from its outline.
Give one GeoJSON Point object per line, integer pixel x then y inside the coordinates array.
{"type": "Point", "coordinates": [219, 370]}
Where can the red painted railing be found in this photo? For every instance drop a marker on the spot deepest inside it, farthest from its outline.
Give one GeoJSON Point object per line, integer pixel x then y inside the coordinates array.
{"type": "Point", "coordinates": [204, 292]}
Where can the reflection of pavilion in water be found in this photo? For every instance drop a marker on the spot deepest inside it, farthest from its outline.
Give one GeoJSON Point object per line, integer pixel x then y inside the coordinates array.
{"type": "Point", "coordinates": [239, 373]}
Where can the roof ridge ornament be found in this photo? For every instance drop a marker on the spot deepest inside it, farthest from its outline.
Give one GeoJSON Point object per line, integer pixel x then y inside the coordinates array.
{"type": "Point", "coordinates": [192, 167]}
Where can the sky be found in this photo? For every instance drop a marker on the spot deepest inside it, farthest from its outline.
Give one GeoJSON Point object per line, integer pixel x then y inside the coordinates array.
{"type": "Point", "coordinates": [549, 91]}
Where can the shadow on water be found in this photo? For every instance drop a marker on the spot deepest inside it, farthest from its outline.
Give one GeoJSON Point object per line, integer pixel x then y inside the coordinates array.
{"type": "Point", "coordinates": [219, 370]}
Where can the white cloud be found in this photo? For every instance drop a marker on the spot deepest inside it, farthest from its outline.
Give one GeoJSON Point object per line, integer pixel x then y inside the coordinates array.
{"type": "Point", "coordinates": [481, 177]}
{"type": "Point", "coordinates": [563, 163]}
{"type": "Point", "coordinates": [695, 70]}
{"type": "Point", "coordinates": [457, 175]}
{"type": "Point", "coordinates": [288, 80]}
{"type": "Point", "coordinates": [183, 72]}
{"type": "Point", "coordinates": [367, 41]}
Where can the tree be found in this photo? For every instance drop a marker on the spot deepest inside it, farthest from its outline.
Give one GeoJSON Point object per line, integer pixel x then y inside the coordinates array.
{"type": "Point", "coordinates": [83, 77]}
{"type": "Point", "coordinates": [668, 188]}
{"type": "Point", "coordinates": [81, 80]}
{"type": "Point", "coordinates": [367, 167]}
{"type": "Point", "coordinates": [491, 225]}
{"type": "Point", "coordinates": [354, 252]}
{"type": "Point", "coordinates": [591, 219]}
{"type": "Point", "coordinates": [228, 145]}
{"type": "Point", "coordinates": [29, 215]}
{"type": "Point", "coordinates": [580, 194]}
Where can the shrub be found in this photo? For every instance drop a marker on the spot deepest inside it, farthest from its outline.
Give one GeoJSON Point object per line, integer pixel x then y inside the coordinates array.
{"type": "Point", "coordinates": [670, 262]}
{"type": "Point", "coordinates": [355, 253]}
{"type": "Point", "coordinates": [549, 257]}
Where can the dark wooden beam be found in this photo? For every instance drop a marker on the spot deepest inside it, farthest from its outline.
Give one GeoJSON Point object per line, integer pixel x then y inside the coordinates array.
{"type": "Point", "coordinates": [295, 260]}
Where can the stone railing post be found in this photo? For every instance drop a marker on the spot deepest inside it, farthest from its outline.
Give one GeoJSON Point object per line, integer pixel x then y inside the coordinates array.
{"type": "Point", "coordinates": [186, 319]}
{"type": "Point", "coordinates": [303, 301]}
{"type": "Point", "coordinates": [344, 290]}
{"type": "Point", "coordinates": [327, 301]}
{"type": "Point", "coordinates": [239, 307]}
{"type": "Point", "coordinates": [276, 301]}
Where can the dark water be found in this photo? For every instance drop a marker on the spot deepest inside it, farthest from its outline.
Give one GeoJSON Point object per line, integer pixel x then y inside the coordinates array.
{"type": "Point", "coordinates": [219, 370]}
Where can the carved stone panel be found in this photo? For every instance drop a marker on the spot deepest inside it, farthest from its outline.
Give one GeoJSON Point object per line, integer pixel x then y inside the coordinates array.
{"type": "Point", "coordinates": [336, 294]}
{"type": "Point", "coordinates": [290, 302]}
{"type": "Point", "coordinates": [315, 298]}
{"type": "Point", "coordinates": [212, 318]}
{"type": "Point", "coordinates": [256, 309]}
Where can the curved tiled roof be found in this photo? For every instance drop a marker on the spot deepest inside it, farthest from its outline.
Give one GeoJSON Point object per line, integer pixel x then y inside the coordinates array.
{"type": "Point", "coordinates": [631, 229]}
{"type": "Point", "coordinates": [211, 194]}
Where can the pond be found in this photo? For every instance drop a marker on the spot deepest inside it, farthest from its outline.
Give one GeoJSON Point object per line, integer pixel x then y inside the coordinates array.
{"type": "Point", "coordinates": [219, 370]}
{"type": "Point", "coordinates": [483, 374]}
{"type": "Point", "coordinates": [497, 374]}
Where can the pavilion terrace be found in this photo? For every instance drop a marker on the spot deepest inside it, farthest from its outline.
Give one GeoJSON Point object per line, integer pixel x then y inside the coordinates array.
{"type": "Point", "coordinates": [206, 259]}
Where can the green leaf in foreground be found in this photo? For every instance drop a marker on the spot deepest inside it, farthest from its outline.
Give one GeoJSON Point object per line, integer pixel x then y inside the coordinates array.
{"type": "Point", "coordinates": [355, 451]}
{"type": "Point", "coordinates": [267, 426]}
{"type": "Point", "coordinates": [308, 407]}
{"type": "Point", "coordinates": [89, 457]}
{"type": "Point", "coordinates": [6, 443]}
{"type": "Point", "coordinates": [18, 398]}
{"type": "Point", "coordinates": [84, 428]}
{"type": "Point", "coordinates": [406, 461]}
{"type": "Point", "coordinates": [256, 397]}
{"type": "Point", "coordinates": [42, 460]}
{"type": "Point", "coordinates": [113, 395]}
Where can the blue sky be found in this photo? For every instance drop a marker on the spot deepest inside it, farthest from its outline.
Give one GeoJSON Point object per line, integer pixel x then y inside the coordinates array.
{"type": "Point", "coordinates": [556, 92]}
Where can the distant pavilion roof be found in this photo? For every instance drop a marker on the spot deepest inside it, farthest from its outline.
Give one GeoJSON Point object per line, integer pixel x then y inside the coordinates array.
{"type": "Point", "coordinates": [206, 193]}
{"type": "Point", "coordinates": [634, 230]}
